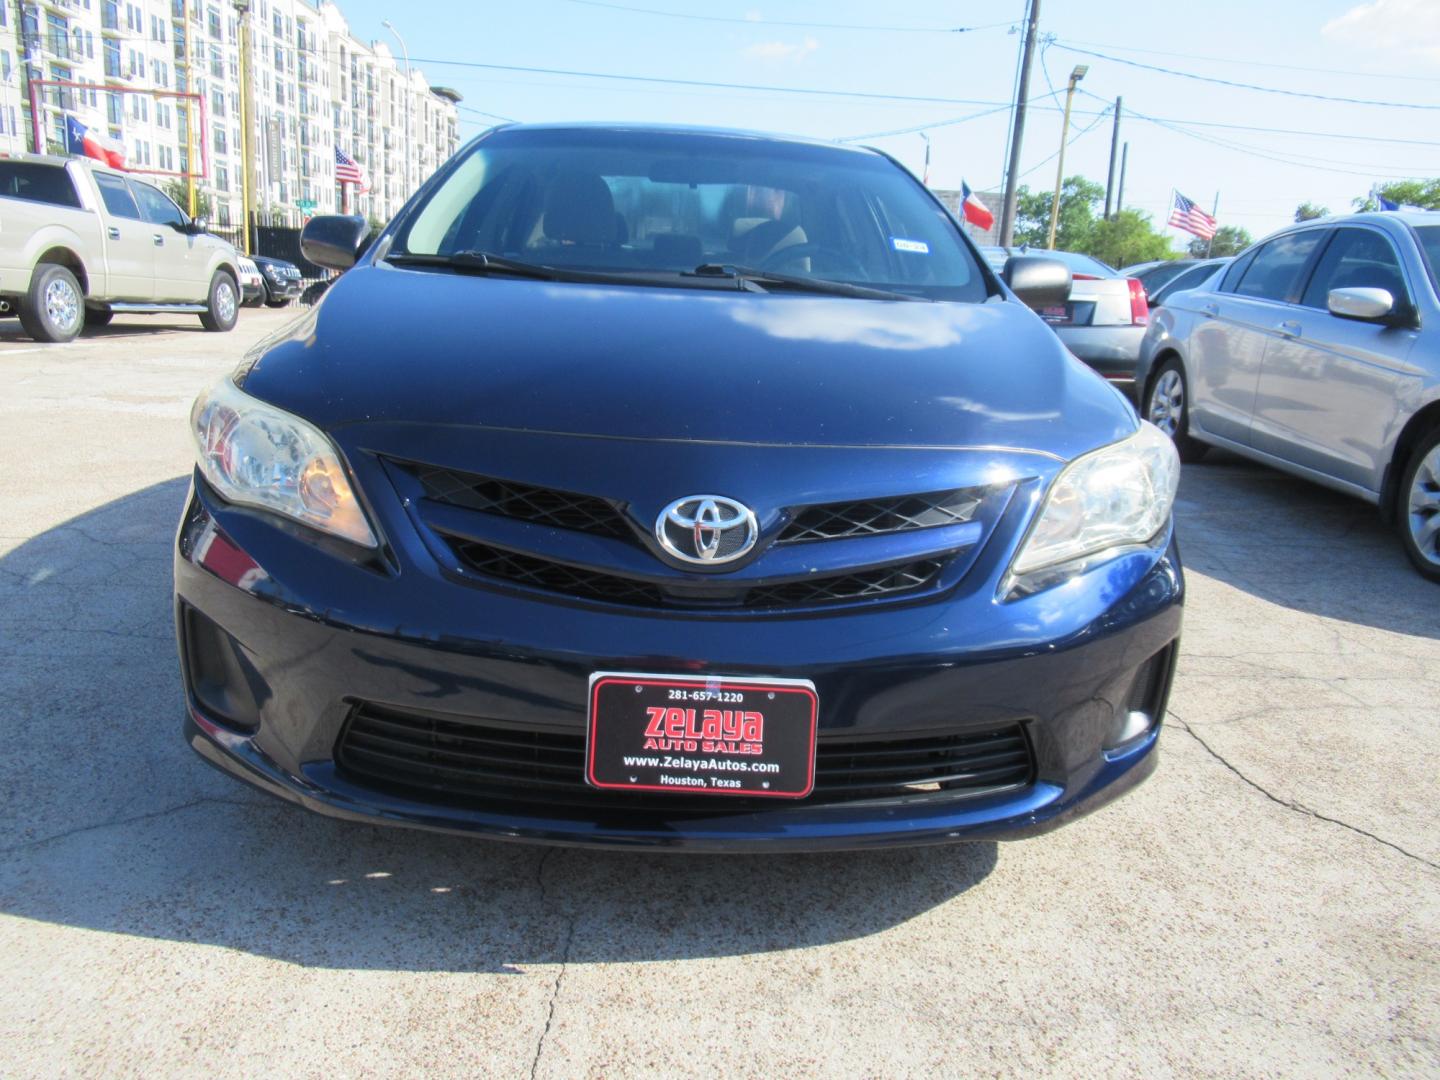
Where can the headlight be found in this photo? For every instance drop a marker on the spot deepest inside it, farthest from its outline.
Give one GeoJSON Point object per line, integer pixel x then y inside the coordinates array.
{"type": "Point", "coordinates": [1115, 497]}
{"type": "Point", "coordinates": [258, 455]}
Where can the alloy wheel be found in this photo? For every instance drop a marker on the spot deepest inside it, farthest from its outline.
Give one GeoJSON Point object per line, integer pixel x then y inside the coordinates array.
{"type": "Point", "coordinates": [1424, 516]}
{"type": "Point", "coordinates": [62, 305]}
{"type": "Point", "coordinates": [225, 302]}
{"type": "Point", "coordinates": [1167, 402]}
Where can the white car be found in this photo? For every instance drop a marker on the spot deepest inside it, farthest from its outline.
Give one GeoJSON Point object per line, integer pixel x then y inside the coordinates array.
{"type": "Point", "coordinates": [252, 285]}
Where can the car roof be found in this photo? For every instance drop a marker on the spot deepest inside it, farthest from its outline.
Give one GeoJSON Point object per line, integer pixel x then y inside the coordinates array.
{"type": "Point", "coordinates": [689, 129]}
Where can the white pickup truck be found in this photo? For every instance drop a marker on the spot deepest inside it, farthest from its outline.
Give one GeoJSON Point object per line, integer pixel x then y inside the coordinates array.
{"type": "Point", "coordinates": [80, 242]}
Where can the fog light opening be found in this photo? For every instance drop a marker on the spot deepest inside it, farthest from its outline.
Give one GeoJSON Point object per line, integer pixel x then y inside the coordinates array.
{"type": "Point", "coordinates": [1143, 706]}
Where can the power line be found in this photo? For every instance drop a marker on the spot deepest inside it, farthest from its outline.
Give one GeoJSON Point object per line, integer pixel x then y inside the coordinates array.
{"type": "Point", "coordinates": [1255, 152]}
{"type": "Point", "coordinates": [761, 23]}
{"type": "Point", "coordinates": [924, 127]}
{"type": "Point", "coordinates": [1245, 86]}
{"type": "Point", "coordinates": [1257, 63]}
{"type": "Point", "coordinates": [491, 115]}
{"type": "Point", "coordinates": [713, 85]}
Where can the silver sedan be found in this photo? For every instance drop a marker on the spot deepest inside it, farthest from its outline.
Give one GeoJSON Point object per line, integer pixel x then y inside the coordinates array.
{"type": "Point", "coordinates": [1316, 351]}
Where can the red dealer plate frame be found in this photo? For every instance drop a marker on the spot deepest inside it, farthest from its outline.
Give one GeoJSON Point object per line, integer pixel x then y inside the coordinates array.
{"type": "Point", "coordinates": [728, 758]}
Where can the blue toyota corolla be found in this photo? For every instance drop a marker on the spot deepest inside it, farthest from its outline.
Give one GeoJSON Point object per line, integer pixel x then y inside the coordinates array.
{"type": "Point", "coordinates": [677, 487]}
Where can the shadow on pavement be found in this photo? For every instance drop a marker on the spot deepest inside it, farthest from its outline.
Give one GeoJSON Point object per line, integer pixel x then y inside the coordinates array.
{"type": "Point", "coordinates": [1300, 545]}
{"type": "Point", "coordinates": [114, 825]}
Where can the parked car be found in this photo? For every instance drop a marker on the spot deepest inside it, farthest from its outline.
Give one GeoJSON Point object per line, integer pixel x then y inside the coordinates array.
{"type": "Point", "coordinates": [1104, 319]}
{"type": "Point", "coordinates": [613, 538]}
{"type": "Point", "coordinates": [1315, 351]}
{"type": "Point", "coordinates": [1195, 274]}
{"type": "Point", "coordinates": [252, 284]}
{"type": "Point", "coordinates": [82, 242]}
{"type": "Point", "coordinates": [282, 280]}
{"type": "Point", "coordinates": [1157, 273]}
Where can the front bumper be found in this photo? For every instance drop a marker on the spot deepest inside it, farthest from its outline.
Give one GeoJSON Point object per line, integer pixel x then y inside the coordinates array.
{"type": "Point", "coordinates": [1060, 663]}
{"type": "Point", "coordinates": [1111, 350]}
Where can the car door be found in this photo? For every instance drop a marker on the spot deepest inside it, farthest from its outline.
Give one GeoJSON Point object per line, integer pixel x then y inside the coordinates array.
{"type": "Point", "coordinates": [1330, 387]}
{"type": "Point", "coordinates": [129, 247]}
{"type": "Point", "coordinates": [1227, 345]}
{"type": "Point", "coordinates": [179, 263]}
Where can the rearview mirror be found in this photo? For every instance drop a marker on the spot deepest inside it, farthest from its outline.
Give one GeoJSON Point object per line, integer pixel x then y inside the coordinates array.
{"type": "Point", "coordinates": [1366, 305]}
{"type": "Point", "coordinates": [334, 240]}
{"type": "Point", "coordinates": [1036, 280]}
{"type": "Point", "coordinates": [196, 226]}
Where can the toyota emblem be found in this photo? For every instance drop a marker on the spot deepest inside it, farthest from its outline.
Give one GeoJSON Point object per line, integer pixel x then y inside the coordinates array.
{"type": "Point", "coordinates": [708, 530]}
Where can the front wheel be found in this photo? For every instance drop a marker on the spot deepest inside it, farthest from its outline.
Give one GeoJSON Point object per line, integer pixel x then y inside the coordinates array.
{"type": "Point", "coordinates": [1167, 406]}
{"type": "Point", "coordinates": [1419, 510]}
{"type": "Point", "coordinates": [54, 308]}
{"type": "Point", "coordinates": [224, 307]}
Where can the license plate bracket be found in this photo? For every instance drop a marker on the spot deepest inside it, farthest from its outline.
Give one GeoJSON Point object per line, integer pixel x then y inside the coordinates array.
{"type": "Point", "coordinates": [701, 735]}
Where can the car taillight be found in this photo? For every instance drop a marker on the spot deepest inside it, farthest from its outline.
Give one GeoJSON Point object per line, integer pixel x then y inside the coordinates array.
{"type": "Point", "coordinates": [1139, 305]}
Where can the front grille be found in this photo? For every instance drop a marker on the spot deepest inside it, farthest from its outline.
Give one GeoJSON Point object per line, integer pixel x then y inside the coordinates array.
{"type": "Point", "coordinates": [520, 569]}
{"type": "Point", "coordinates": [871, 517]}
{"type": "Point", "coordinates": [446, 759]}
{"type": "Point", "coordinates": [543, 506]}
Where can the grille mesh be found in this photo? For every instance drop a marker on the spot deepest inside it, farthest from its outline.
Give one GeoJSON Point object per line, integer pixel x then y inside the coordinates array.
{"type": "Point", "coordinates": [462, 760]}
{"type": "Point", "coordinates": [539, 573]}
{"type": "Point", "coordinates": [544, 506]}
{"type": "Point", "coordinates": [834, 521]}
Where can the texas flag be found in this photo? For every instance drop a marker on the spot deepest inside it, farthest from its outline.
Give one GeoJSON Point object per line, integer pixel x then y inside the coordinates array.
{"type": "Point", "coordinates": [87, 142]}
{"type": "Point", "coordinates": [976, 212]}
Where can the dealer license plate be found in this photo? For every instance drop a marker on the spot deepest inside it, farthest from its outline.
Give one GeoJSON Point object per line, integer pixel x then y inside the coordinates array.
{"type": "Point", "coordinates": [698, 735]}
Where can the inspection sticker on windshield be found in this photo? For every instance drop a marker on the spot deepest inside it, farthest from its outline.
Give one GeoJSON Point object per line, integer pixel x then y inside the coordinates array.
{"type": "Point", "coordinates": [701, 735]}
{"type": "Point", "coordinates": [918, 247]}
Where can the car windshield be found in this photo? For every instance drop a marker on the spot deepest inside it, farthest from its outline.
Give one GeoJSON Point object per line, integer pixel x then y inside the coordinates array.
{"type": "Point", "coordinates": [650, 207]}
{"type": "Point", "coordinates": [1430, 246]}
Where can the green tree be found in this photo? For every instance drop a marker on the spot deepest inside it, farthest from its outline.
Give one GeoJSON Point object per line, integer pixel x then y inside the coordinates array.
{"type": "Point", "coordinates": [1422, 193]}
{"type": "Point", "coordinates": [1308, 211]}
{"type": "Point", "coordinates": [1078, 199]}
{"type": "Point", "coordinates": [1126, 239]}
{"type": "Point", "coordinates": [1229, 240]}
{"type": "Point", "coordinates": [176, 190]}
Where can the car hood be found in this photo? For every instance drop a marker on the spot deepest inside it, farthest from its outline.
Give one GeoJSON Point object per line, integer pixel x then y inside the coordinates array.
{"type": "Point", "coordinates": [621, 361]}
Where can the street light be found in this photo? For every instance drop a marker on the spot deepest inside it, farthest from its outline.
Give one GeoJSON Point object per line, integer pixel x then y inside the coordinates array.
{"type": "Point", "coordinates": [1075, 77]}
{"type": "Point", "coordinates": [406, 52]}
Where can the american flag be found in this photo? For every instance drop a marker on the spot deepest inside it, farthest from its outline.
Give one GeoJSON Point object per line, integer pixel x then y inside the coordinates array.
{"type": "Point", "coordinates": [347, 172]}
{"type": "Point", "coordinates": [1191, 218]}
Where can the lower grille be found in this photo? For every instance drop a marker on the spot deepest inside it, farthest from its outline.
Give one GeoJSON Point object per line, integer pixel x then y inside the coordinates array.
{"type": "Point", "coordinates": [444, 759]}
{"type": "Point", "coordinates": [539, 573]}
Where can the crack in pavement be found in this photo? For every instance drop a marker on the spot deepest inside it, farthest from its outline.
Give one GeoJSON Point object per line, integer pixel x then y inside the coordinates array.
{"type": "Point", "coordinates": [564, 962]}
{"type": "Point", "coordinates": [1297, 806]}
{"type": "Point", "coordinates": [117, 822]}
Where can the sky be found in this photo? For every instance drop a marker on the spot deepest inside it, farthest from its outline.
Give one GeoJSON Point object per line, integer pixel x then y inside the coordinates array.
{"type": "Point", "coordinates": [1385, 51]}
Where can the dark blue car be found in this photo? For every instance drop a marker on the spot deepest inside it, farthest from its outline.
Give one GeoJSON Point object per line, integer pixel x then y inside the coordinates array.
{"type": "Point", "coordinates": [683, 488]}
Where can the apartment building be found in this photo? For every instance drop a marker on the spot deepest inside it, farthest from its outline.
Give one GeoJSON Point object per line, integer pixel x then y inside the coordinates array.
{"type": "Point", "coordinates": [313, 86]}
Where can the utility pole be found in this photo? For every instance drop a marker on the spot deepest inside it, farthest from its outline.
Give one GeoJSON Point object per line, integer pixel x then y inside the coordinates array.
{"type": "Point", "coordinates": [1017, 131]}
{"type": "Point", "coordinates": [242, 8]}
{"type": "Point", "coordinates": [189, 110]}
{"type": "Point", "coordinates": [1214, 214]}
{"type": "Point", "coordinates": [1075, 77]}
{"type": "Point", "coordinates": [1114, 146]}
{"type": "Point", "coordinates": [1120, 191]}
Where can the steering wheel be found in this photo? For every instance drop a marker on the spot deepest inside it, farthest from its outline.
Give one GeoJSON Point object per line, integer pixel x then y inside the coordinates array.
{"type": "Point", "coordinates": [842, 261]}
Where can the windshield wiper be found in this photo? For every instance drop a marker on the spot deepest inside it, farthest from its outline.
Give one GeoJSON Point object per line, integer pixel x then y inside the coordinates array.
{"type": "Point", "coordinates": [478, 262]}
{"type": "Point", "coordinates": [770, 281]}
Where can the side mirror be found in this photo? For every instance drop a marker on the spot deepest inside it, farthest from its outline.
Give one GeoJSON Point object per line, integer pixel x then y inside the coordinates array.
{"type": "Point", "coordinates": [334, 240]}
{"type": "Point", "coordinates": [1367, 305]}
{"type": "Point", "coordinates": [1037, 281]}
{"type": "Point", "coordinates": [196, 226]}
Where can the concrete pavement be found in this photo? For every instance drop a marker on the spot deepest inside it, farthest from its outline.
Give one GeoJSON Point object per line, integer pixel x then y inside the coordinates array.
{"type": "Point", "coordinates": [1268, 903]}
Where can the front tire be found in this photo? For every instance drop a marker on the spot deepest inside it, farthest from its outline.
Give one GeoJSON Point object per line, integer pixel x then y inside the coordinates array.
{"type": "Point", "coordinates": [1167, 406]}
{"type": "Point", "coordinates": [54, 308]}
{"type": "Point", "coordinates": [1418, 509]}
{"type": "Point", "coordinates": [224, 305]}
